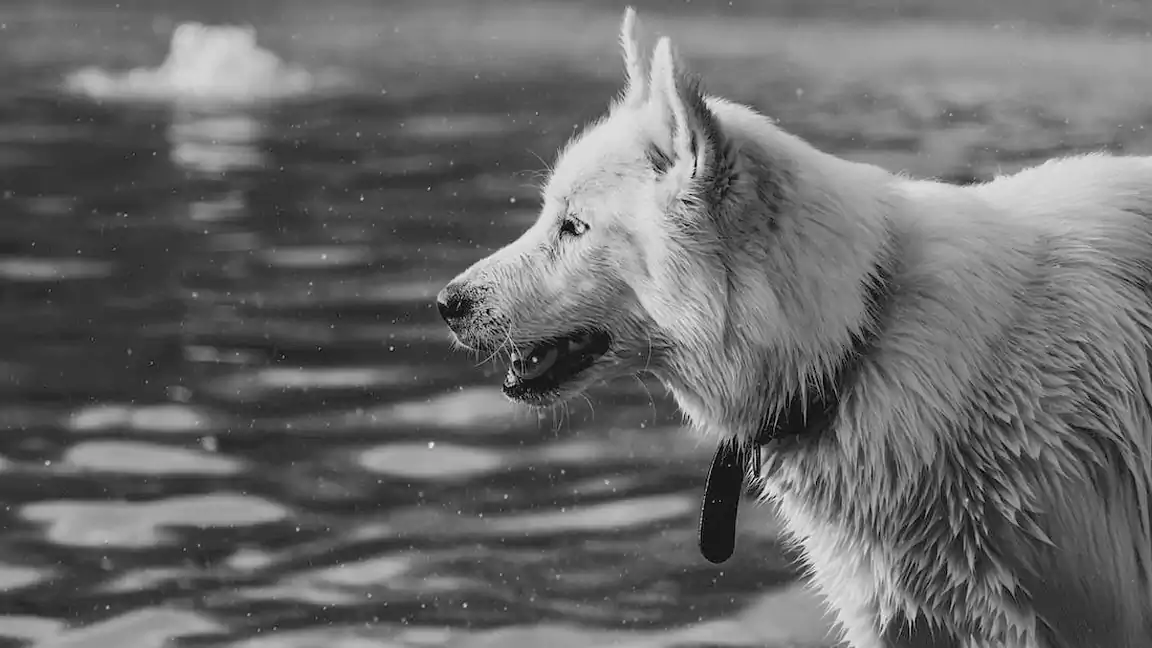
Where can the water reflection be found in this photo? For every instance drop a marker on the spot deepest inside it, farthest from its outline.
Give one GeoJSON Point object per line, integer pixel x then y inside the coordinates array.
{"type": "Point", "coordinates": [136, 457]}
{"type": "Point", "coordinates": [145, 524]}
{"type": "Point", "coordinates": [229, 413]}
{"type": "Point", "coordinates": [153, 628]}
{"type": "Point", "coordinates": [214, 143]}
{"type": "Point", "coordinates": [431, 461]}
{"type": "Point", "coordinates": [232, 417]}
{"type": "Point", "coordinates": [161, 418]}
{"type": "Point", "coordinates": [39, 269]}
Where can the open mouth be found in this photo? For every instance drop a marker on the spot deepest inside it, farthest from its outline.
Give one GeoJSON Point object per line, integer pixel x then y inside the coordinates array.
{"type": "Point", "coordinates": [543, 369]}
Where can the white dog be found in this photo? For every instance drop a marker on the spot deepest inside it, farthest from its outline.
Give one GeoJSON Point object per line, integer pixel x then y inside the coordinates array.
{"type": "Point", "coordinates": [949, 386]}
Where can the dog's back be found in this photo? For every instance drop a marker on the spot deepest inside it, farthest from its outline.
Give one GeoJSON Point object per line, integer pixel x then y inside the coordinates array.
{"type": "Point", "coordinates": [1003, 421]}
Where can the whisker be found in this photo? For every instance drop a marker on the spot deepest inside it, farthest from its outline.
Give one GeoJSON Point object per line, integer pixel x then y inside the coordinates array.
{"type": "Point", "coordinates": [492, 356]}
{"type": "Point", "coordinates": [556, 414]}
{"type": "Point", "coordinates": [507, 342]}
{"type": "Point", "coordinates": [565, 413]}
{"type": "Point", "coordinates": [651, 399]}
{"type": "Point", "coordinates": [648, 358]}
{"type": "Point", "coordinates": [542, 161]}
{"type": "Point", "coordinates": [508, 345]}
{"type": "Point", "coordinates": [591, 408]}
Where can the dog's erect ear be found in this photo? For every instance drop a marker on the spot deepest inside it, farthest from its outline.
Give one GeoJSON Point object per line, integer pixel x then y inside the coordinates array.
{"type": "Point", "coordinates": [633, 62]}
{"type": "Point", "coordinates": [688, 144]}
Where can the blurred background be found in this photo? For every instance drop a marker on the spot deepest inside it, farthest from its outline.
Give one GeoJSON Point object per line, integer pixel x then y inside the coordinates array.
{"type": "Point", "coordinates": [229, 415]}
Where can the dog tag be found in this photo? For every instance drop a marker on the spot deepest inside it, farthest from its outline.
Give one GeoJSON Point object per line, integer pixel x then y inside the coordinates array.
{"type": "Point", "coordinates": [722, 492]}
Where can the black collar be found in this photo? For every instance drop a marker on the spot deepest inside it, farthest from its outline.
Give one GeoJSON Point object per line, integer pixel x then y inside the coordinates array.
{"type": "Point", "coordinates": [805, 419]}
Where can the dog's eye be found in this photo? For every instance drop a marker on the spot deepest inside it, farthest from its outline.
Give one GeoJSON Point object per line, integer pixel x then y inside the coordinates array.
{"type": "Point", "coordinates": [573, 226]}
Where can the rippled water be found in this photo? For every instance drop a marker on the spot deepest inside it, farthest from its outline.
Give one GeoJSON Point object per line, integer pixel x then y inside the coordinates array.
{"type": "Point", "coordinates": [230, 416]}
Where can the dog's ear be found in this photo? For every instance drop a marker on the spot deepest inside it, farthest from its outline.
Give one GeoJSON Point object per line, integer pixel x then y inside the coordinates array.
{"type": "Point", "coordinates": [633, 62]}
{"type": "Point", "coordinates": [688, 146]}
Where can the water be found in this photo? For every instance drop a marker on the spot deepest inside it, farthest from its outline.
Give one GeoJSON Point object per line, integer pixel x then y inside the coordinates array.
{"type": "Point", "coordinates": [230, 415]}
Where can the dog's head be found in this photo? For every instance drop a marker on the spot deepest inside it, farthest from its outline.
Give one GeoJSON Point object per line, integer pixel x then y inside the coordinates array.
{"type": "Point", "coordinates": [724, 258]}
{"type": "Point", "coordinates": [601, 283]}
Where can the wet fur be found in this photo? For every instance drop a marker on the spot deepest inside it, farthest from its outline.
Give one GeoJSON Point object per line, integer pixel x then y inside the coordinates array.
{"type": "Point", "coordinates": [987, 481]}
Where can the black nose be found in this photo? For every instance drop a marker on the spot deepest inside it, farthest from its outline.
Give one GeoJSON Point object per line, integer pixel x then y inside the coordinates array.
{"type": "Point", "coordinates": [453, 304]}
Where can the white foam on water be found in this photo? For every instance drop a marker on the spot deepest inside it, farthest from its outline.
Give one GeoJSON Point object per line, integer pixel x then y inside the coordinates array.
{"type": "Point", "coordinates": [206, 64]}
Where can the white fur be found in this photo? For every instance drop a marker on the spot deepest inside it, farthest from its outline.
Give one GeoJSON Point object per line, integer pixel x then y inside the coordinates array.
{"type": "Point", "coordinates": [987, 480]}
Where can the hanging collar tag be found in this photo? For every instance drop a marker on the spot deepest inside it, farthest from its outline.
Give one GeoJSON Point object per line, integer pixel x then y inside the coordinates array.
{"type": "Point", "coordinates": [722, 493]}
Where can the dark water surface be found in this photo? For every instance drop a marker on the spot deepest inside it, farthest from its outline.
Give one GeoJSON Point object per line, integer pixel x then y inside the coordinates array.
{"type": "Point", "coordinates": [229, 414]}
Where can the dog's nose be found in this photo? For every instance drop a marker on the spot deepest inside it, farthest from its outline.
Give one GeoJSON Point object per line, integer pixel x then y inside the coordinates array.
{"type": "Point", "coordinates": [453, 304]}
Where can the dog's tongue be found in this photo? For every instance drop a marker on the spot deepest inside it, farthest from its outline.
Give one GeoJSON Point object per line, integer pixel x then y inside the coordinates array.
{"type": "Point", "coordinates": [722, 493]}
{"type": "Point", "coordinates": [544, 357]}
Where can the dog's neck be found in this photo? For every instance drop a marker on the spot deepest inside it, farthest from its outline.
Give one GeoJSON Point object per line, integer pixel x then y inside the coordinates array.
{"type": "Point", "coordinates": [807, 416]}
{"type": "Point", "coordinates": [742, 353]}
